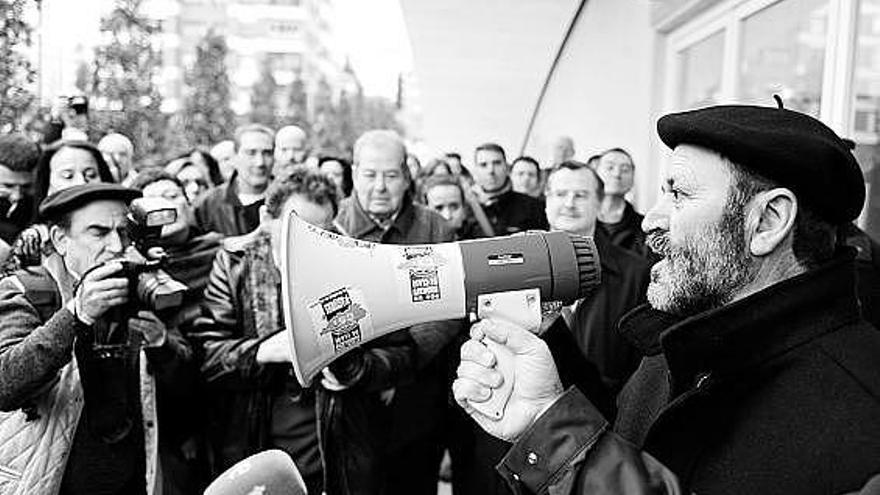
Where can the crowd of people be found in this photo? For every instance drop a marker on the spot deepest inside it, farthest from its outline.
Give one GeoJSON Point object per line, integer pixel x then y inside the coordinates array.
{"type": "Point", "coordinates": [726, 349]}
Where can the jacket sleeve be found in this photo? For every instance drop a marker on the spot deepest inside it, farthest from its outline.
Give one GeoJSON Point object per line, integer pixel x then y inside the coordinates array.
{"type": "Point", "coordinates": [570, 450]}
{"type": "Point", "coordinates": [229, 357]}
{"type": "Point", "coordinates": [31, 352]}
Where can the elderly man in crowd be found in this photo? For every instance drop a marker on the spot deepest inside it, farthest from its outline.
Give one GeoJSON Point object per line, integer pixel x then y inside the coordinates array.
{"type": "Point", "coordinates": [618, 218]}
{"type": "Point", "coordinates": [234, 208]}
{"type": "Point", "coordinates": [508, 211]}
{"type": "Point", "coordinates": [381, 209]}
{"type": "Point", "coordinates": [291, 149]}
{"type": "Point", "coordinates": [761, 375]}
{"type": "Point", "coordinates": [86, 425]}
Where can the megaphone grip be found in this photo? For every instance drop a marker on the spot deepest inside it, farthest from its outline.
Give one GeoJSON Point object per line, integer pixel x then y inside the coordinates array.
{"type": "Point", "coordinates": [494, 407]}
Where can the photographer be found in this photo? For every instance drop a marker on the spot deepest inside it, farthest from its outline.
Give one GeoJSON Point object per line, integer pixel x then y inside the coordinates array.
{"type": "Point", "coordinates": [86, 425]}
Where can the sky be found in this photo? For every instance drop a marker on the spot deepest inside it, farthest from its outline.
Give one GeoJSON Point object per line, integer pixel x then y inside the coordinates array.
{"type": "Point", "coordinates": [374, 34]}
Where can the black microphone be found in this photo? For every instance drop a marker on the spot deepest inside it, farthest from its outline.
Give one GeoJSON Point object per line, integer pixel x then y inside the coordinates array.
{"type": "Point", "coordinates": [271, 472]}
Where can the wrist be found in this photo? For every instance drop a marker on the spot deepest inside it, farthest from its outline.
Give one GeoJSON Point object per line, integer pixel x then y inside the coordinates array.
{"type": "Point", "coordinates": [75, 307]}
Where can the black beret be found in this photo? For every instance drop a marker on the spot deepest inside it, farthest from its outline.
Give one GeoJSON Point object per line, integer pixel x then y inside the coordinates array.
{"type": "Point", "coordinates": [790, 148]}
{"type": "Point", "coordinates": [67, 200]}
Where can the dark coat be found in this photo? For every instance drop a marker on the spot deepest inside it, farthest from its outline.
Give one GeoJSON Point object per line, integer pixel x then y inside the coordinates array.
{"type": "Point", "coordinates": [776, 393]}
{"type": "Point", "coordinates": [627, 233]}
{"type": "Point", "coordinates": [221, 211]}
{"type": "Point", "coordinates": [513, 212]}
{"type": "Point", "coordinates": [625, 277]}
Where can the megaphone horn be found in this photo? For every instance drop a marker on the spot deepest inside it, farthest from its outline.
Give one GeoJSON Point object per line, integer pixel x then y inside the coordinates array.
{"type": "Point", "coordinates": [340, 293]}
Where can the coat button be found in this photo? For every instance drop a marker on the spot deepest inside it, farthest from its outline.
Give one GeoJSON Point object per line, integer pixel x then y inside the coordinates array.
{"type": "Point", "coordinates": [532, 458]}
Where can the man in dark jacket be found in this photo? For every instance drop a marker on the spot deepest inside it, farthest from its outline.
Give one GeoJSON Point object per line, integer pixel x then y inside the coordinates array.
{"type": "Point", "coordinates": [256, 402]}
{"type": "Point", "coordinates": [507, 210]}
{"type": "Point", "coordinates": [233, 208]}
{"type": "Point", "coordinates": [618, 219]}
{"type": "Point", "coordinates": [761, 375]}
{"type": "Point", "coordinates": [381, 210]}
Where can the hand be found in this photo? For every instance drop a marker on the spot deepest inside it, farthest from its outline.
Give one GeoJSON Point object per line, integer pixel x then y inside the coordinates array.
{"type": "Point", "coordinates": [150, 327]}
{"type": "Point", "coordinates": [100, 290]}
{"type": "Point", "coordinates": [275, 349]}
{"type": "Point", "coordinates": [536, 385]}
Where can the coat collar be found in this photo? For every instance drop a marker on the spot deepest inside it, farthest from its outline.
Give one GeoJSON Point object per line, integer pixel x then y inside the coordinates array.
{"type": "Point", "coordinates": [754, 329]}
{"type": "Point", "coordinates": [356, 222]}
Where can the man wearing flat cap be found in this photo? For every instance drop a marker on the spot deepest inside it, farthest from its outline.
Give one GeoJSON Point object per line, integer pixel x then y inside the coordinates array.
{"type": "Point", "coordinates": [759, 375]}
{"type": "Point", "coordinates": [79, 400]}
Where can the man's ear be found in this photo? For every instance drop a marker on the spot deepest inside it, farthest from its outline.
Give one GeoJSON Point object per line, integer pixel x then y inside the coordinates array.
{"type": "Point", "coordinates": [774, 212]}
{"type": "Point", "coordinates": [59, 239]}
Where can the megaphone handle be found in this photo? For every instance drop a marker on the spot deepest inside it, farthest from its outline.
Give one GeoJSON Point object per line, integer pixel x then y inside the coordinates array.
{"type": "Point", "coordinates": [494, 407]}
{"type": "Point", "coordinates": [520, 307]}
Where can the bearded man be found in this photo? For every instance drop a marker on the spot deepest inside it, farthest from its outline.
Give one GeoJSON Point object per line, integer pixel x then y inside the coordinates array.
{"type": "Point", "coordinates": [760, 375]}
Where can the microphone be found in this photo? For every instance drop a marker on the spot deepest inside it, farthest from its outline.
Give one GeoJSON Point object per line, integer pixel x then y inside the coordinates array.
{"type": "Point", "coordinates": [269, 472]}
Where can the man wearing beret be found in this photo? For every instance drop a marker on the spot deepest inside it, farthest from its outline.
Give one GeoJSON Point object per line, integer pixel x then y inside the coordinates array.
{"type": "Point", "coordinates": [77, 390]}
{"type": "Point", "coordinates": [760, 374]}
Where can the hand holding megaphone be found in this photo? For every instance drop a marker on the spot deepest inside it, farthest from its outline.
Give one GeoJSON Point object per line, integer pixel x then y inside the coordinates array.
{"type": "Point", "coordinates": [499, 351]}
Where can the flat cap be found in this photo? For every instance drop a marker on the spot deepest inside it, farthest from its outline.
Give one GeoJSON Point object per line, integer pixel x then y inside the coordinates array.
{"type": "Point", "coordinates": [69, 199]}
{"type": "Point", "coordinates": [790, 148]}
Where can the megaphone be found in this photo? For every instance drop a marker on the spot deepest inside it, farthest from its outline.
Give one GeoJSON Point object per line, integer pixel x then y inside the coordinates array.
{"type": "Point", "coordinates": [340, 293]}
{"type": "Point", "coordinates": [267, 473]}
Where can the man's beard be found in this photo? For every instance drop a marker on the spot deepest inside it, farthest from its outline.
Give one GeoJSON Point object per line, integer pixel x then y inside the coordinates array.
{"type": "Point", "coordinates": [703, 273]}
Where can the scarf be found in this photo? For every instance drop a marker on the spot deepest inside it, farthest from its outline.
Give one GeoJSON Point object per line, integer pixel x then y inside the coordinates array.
{"type": "Point", "coordinates": [262, 284]}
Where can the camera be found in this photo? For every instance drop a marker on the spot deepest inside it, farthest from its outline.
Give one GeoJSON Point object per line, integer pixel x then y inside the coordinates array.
{"type": "Point", "coordinates": [151, 286]}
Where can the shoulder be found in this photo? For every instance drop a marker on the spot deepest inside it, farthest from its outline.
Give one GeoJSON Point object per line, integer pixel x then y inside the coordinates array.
{"type": "Point", "coordinates": [440, 231]}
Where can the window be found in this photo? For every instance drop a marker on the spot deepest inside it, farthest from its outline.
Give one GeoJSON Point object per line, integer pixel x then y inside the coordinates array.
{"type": "Point", "coordinates": [866, 108]}
{"type": "Point", "coordinates": [783, 52]}
{"type": "Point", "coordinates": [700, 66]}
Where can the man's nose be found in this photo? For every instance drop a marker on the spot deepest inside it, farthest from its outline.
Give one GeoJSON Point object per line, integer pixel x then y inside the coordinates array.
{"type": "Point", "coordinates": [657, 218]}
{"type": "Point", "coordinates": [115, 243]}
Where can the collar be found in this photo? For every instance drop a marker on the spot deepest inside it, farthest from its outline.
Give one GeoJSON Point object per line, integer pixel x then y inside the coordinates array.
{"type": "Point", "coordinates": [489, 197]}
{"type": "Point", "coordinates": [752, 330]}
{"type": "Point", "coordinates": [358, 223]}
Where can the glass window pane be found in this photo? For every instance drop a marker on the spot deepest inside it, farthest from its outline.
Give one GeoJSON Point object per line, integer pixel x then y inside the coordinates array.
{"type": "Point", "coordinates": [783, 52]}
{"type": "Point", "coordinates": [701, 72]}
{"type": "Point", "coordinates": [866, 108]}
